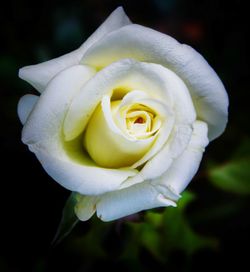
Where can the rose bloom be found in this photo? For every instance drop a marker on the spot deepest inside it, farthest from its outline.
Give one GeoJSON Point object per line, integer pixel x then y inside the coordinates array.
{"type": "Point", "coordinates": [123, 120]}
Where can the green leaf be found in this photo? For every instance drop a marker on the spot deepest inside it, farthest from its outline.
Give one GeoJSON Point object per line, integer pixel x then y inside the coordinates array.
{"type": "Point", "coordinates": [151, 240]}
{"type": "Point", "coordinates": [143, 235]}
{"type": "Point", "coordinates": [162, 233]}
{"type": "Point", "coordinates": [186, 198]}
{"type": "Point", "coordinates": [232, 177]}
{"type": "Point", "coordinates": [178, 233]}
{"type": "Point", "coordinates": [180, 236]}
{"type": "Point", "coordinates": [153, 218]}
{"type": "Point", "coordinates": [68, 221]}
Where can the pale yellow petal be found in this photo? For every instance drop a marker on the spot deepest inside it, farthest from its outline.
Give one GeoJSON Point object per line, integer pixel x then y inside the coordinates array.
{"type": "Point", "coordinates": [107, 145]}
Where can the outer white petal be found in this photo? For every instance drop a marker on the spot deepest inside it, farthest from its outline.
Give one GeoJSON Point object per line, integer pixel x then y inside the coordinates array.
{"type": "Point", "coordinates": [182, 170]}
{"type": "Point", "coordinates": [46, 120]}
{"type": "Point", "coordinates": [42, 132]}
{"type": "Point", "coordinates": [25, 106]}
{"type": "Point", "coordinates": [86, 179]}
{"type": "Point", "coordinates": [85, 207]}
{"type": "Point", "coordinates": [40, 74]}
{"type": "Point", "coordinates": [134, 199]}
{"type": "Point", "coordinates": [144, 44]}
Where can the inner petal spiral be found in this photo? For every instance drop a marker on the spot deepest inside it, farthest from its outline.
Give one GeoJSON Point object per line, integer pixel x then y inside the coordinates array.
{"type": "Point", "coordinates": [119, 134]}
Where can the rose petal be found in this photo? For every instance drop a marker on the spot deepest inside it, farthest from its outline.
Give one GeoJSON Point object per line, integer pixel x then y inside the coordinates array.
{"type": "Point", "coordinates": [160, 163]}
{"type": "Point", "coordinates": [184, 116]}
{"type": "Point", "coordinates": [42, 132]}
{"type": "Point", "coordinates": [134, 199]}
{"type": "Point", "coordinates": [127, 99]}
{"type": "Point", "coordinates": [182, 170]}
{"type": "Point", "coordinates": [47, 118]}
{"type": "Point", "coordinates": [144, 44]}
{"type": "Point", "coordinates": [133, 41]}
{"type": "Point", "coordinates": [85, 207]}
{"type": "Point", "coordinates": [25, 106]}
{"type": "Point", "coordinates": [183, 105]}
{"type": "Point", "coordinates": [86, 179]}
{"type": "Point", "coordinates": [175, 146]}
{"type": "Point", "coordinates": [106, 143]}
{"type": "Point", "coordinates": [124, 73]}
{"type": "Point", "coordinates": [40, 74]}
{"type": "Point", "coordinates": [164, 132]}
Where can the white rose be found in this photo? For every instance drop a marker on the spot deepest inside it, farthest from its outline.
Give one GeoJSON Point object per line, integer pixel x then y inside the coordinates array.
{"type": "Point", "coordinates": [124, 119]}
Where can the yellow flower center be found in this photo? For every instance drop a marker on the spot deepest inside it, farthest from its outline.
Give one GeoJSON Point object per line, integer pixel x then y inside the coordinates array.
{"type": "Point", "coordinates": [119, 135]}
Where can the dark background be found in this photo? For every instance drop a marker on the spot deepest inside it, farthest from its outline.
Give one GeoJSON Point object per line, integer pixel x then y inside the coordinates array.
{"type": "Point", "coordinates": [212, 232]}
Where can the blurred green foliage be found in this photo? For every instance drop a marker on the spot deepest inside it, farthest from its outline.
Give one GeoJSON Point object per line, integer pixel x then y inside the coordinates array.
{"type": "Point", "coordinates": [233, 175]}
{"type": "Point", "coordinates": [161, 233]}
